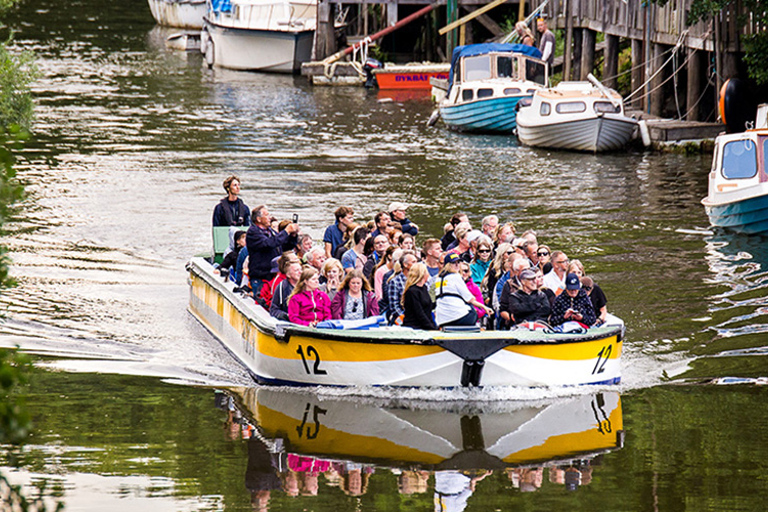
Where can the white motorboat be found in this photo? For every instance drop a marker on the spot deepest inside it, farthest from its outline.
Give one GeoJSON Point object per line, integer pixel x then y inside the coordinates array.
{"type": "Point", "coordinates": [179, 13]}
{"type": "Point", "coordinates": [738, 183]}
{"type": "Point", "coordinates": [582, 116]}
{"type": "Point", "coordinates": [259, 35]}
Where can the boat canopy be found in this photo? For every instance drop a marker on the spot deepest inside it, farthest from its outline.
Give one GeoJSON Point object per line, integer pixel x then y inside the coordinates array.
{"type": "Point", "coordinates": [471, 50]}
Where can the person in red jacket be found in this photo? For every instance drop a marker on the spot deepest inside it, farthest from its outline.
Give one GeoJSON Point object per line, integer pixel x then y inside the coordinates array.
{"type": "Point", "coordinates": [308, 305]}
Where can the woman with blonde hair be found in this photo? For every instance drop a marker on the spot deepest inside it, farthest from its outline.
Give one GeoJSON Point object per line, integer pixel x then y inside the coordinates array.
{"type": "Point", "coordinates": [332, 272]}
{"type": "Point", "coordinates": [416, 301]}
{"type": "Point", "coordinates": [455, 304]}
{"type": "Point", "coordinates": [524, 33]}
{"type": "Point", "coordinates": [308, 305]}
{"type": "Point", "coordinates": [355, 299]}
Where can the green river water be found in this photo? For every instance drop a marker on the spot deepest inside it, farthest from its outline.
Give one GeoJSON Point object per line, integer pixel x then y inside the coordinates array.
{"type": "Point", "coordinates": [130, 146]}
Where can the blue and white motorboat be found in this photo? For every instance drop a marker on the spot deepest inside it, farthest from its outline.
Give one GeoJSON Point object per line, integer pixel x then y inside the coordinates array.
{"type": "Point", "coordinates": [486, 82]}
{"type": "Point", "coordinates": [738, 182]}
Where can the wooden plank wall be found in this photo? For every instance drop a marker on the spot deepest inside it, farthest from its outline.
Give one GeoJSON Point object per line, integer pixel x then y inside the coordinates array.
{"type": "Point", "coordinates": [627, 19]}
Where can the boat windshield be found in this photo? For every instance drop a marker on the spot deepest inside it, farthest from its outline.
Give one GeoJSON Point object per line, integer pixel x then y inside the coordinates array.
{"type": "Point", "coordinates": [739, 159]}
{"type": "Point", "coordinates": [477, 68]}
{"type": "Point", "coordinates": [506, 67]}
{"type": "Point", "coordinates": [535, 72]}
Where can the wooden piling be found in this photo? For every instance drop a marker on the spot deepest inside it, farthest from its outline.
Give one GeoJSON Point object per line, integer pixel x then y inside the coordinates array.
{"type": "Point", "coordinates": [588, 53]}
{"type": "Point", "coordinates": [611, 61]}
{"type": "Point", "coordinates": [694, 90]}
{"type": "Point", "coordinates": [578, 46]}
{"type": "Point", "coordinates": [638, 72]}
{"type": "Point", "coordinates": [657, 89]}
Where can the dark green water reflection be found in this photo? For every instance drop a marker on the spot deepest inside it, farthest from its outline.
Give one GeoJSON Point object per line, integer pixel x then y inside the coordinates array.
{"type": "Point", "coordinates": [158, 446]}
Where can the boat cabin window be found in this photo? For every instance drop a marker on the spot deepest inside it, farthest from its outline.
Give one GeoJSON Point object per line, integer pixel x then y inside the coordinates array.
{"type": "Point", "coordinates": [467, 94]}
{"type": "Point", "coordinates": [545, 108]}
{"type": "Point", "coordinates": [477, 68]}
{"type": "Point", "coordinates": [536, 72]}
{"type": "Point", "coordinates": [606, 107]}
{"type": "Point", "coordinates": [571, 107]}
{"type": "Point", "coordinates": [509, 91]}
{"type": "Point", "coordinates": [530, 91]}
{"type": "Point", "coordinates": [739, 159]}
{"type": "Point", "coordinates": [506, 67]}
{"type": "Point", "coordinates": [484, 93]}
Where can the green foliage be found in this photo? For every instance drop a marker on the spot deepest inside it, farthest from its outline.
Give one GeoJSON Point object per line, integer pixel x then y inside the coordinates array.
{"type": "Point", "coordinates": [17, 72]}
{"type": "Point", "coordinates": [14, 418]}
{"type": "Point", "coordinates": [756, 47]}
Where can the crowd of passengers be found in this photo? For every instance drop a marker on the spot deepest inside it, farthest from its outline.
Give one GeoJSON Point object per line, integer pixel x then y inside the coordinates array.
{"type": "Point", "coordinates": [490, 276]}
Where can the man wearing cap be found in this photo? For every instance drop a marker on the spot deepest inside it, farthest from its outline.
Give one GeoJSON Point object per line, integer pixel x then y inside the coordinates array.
{"type": "Point", "coordinates": [547, 42]}
{"type": "Point", "coordinates": [231, 210]}
{"type": "Point", "coordinates": [574, 304]}
{"type": "Point", "coordinates": [528, 304]}
{"type": "Point", "coordinates": [397, 213]}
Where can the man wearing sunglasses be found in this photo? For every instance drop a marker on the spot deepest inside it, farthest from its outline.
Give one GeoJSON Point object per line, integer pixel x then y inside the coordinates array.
{"type": "Point", "coordinates": [555, 280]}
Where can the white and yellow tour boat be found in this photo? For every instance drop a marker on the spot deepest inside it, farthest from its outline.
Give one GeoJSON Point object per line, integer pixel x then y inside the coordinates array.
{"type": "Point", "coordinates": [281, 353]}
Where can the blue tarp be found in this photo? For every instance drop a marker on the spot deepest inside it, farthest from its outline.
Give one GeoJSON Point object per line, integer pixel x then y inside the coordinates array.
{"type": "Point", "coordinates": [360, 325]}
{"type": "Point", "coordinates": [221, 6]}
{"type": "Point", "coordinates": [481, 49]}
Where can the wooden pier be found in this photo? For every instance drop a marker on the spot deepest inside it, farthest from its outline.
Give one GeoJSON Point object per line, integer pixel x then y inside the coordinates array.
{"type": "Point", "coordinates": [674, 69]}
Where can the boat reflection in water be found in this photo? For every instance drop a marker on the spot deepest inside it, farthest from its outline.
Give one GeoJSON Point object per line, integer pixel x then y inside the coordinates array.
{"type": "Point", "coordinates": [298, 441]}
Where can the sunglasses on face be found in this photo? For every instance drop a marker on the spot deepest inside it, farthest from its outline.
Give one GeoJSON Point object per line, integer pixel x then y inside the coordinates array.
{"type": "Point", "coordinates": [485, 251]}
{"type": "Point", "coordinates": [510, 252]}
{"type": "Point", "coordinates": [587, 288]}
{"type": "Point", "coordinates": [543, 253]}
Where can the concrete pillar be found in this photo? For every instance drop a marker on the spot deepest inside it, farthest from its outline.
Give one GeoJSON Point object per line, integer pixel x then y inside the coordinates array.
{"type": "Point", "coordinates": [578, 44]}
{"type": "Point", "coordinates": [657, 91]}
{"type": "Point", "coordinates": [611, 61]}
{"type": "Point", "coordinates": [588, 55]}
{"type": "Point", "coordinates": [638, 72]}
{"type": "Point", "coordinates": [694, 91]}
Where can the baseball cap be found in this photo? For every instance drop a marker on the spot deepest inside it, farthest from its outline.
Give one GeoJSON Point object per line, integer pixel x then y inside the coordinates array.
{"type": "Point", "coordinates": [572, 282]}
{"type": "Point", "coordinates": [397, 206]}
{"type": "Point", "coordinates": [451, 257]}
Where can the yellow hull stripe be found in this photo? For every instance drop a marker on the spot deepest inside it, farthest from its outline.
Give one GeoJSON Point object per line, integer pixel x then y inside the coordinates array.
{"type": "Point", "coordinates": [321, 440]}
{"type": "Point", "coordinates": [601, 437]}
{"type": "Point", "coordinates": [573, 351]}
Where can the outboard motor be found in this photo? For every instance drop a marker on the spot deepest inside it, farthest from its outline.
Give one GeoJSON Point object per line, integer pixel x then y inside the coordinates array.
{"type": "Point", "coordinates": [368, 67]}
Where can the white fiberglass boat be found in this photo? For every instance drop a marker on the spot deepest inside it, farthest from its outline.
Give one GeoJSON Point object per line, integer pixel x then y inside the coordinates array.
{"type": "Point", "coordinates": [179, 13]}
{"type": "Point", "coordinates": [259, 35]}
{"type": "Point", "coordinates": [582, 116]}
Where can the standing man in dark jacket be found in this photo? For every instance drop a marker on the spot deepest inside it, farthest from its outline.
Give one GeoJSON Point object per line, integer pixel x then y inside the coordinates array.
{"type": "Point", "coordinates": [397, 213]}
{"type": "Point", "coordinates": [231, 210]}
{"type": "Point", "coordinates": [528, 304]}
{"type": "Point", "coordinates": [264, 244]}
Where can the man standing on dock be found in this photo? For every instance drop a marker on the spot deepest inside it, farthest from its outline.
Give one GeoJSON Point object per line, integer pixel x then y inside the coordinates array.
{"type": "Point", "coordinates": [547, 42]}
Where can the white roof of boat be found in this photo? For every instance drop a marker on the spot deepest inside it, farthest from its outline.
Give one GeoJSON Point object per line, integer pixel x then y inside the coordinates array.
{"type": "Point", "coordinates": [569, 90]}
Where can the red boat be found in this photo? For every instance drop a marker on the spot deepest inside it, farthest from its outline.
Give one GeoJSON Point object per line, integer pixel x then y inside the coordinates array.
{"type": "Point", "coordinates": [410, 76]}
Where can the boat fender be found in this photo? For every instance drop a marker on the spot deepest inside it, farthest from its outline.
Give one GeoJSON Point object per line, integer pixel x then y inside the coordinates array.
{"type": "Point", "coordinates": [644, 133]}
{"type": "Point", "coordinates": [433, 118]}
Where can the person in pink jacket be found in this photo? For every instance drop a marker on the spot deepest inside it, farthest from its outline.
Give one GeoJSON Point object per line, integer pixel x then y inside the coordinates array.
{"type": "Point", "coordinates": [466, 274]}
{"type": "Point", "coordinates": [308, 305]}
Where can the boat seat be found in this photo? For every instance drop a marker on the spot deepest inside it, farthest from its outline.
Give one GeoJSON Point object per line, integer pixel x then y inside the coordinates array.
{"type": "Point", "coordinates": [222, 238]}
